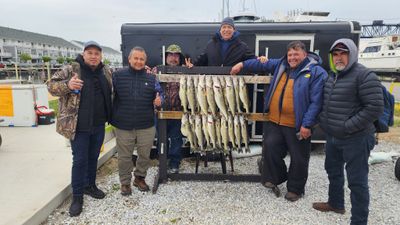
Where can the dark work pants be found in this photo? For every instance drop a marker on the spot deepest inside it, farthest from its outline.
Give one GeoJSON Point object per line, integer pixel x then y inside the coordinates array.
{"type": "Point", "coordinates": [85, 153]}
{"type": "Point", "coordinates": [352, 152]}
{"type": "Point", "coordinates": [175, 144]}
{"type": "Point", "coordinates": [278, 141]}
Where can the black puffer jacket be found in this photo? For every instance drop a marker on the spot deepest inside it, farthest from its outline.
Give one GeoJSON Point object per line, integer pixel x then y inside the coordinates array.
{"type": "Point", "coordinates": [134, 92]}
{"type": "Point", "coordinates": [353, 98]}
{"type": "Point", "coordinates": [238, 51]}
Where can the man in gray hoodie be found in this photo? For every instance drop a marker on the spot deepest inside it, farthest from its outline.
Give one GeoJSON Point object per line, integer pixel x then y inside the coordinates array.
{"type": "Point", "coordinates": [353, 100]}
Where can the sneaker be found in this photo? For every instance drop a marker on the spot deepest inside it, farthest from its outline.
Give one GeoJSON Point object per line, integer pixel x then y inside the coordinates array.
{"type": "Point", "coordinates": [173, 170]}
{"type": "Point", "coordinates": [275, 189]}
{"type": "Point", "coordinates": [325, 207]}
{"type": "Point", "coordinates": [94, 192]}
{"type": "Point", "coordinates": [76, 206]}
{"type": "Point", "coordinates": [291, 196]}
{"type": "Point", "coordinates": [140, 183]}
{"type": "Point", "coordinates": [126, 189]}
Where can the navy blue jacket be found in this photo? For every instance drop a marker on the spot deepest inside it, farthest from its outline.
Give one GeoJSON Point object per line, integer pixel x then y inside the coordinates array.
{"type": "Point", "coordinates": [134, 93]}
{"type": "Point", "coordinates": [309, 79]}
{"type": "Point", "coordinates": [237, 51]}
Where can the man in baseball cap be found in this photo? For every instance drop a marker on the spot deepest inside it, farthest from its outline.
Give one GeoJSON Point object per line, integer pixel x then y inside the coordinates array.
{"type": "Point", "coordinates": [91, 44]}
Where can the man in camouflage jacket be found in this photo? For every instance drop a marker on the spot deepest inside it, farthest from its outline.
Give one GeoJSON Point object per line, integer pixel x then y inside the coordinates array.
{"type": "Point", "coordinates": [84, 91]}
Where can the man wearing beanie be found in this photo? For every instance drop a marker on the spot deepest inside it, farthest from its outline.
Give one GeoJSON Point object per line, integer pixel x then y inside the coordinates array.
{"type": "Point", "coordinates": [225, 48]}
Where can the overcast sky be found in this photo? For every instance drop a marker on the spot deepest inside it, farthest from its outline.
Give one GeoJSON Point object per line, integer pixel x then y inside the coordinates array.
{"type": "Point", "coordinates": [101, 20]}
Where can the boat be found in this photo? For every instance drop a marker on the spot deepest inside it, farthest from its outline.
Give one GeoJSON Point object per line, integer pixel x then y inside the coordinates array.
{"type": "Point", "coordinates": [381, 54]}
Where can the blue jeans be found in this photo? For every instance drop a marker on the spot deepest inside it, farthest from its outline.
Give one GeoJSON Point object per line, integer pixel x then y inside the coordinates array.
{"type": "Point", "coordinates": [352, 154]}
{"type": "Point", "coordinates": [85, 153]}
{"type": "Point", "coordinates": [174, 149]}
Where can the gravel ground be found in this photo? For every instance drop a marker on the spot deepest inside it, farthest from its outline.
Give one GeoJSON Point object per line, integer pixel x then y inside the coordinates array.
{"type": "Point", "coordinates": [234, 203]}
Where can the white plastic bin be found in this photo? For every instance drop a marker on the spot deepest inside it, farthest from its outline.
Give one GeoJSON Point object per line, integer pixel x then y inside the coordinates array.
{"type": "Point", "coordinates": [17, 105]}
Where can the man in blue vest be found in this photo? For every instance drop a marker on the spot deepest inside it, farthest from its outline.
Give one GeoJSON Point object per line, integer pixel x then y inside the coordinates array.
{"type": "Point", "coordinates": [136, 92]}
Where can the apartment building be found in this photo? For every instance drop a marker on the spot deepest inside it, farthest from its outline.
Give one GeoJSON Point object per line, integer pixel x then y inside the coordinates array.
{"type": "Point", "coordinates": [14, 42]}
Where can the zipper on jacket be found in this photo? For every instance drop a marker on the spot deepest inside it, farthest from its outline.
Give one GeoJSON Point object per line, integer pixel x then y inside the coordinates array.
{"type": "Point", "coordinates": [330, 94]}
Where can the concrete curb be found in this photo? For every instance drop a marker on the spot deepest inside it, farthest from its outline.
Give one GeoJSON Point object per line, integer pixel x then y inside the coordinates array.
{"type": "Point", "coordinates": [42, 213]}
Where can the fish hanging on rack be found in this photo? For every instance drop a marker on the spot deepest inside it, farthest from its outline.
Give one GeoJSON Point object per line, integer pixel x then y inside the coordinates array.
{"type": "Point", "coordinates": [245, 137]}
{"type": "Point", "coordinates": [230, 94]}
{"type": "Point", "coordinates": [237, 98]}
{"type": "Point", "coordinates": [238, 134]}
{"type": "Point", "coordinates": [191, 94]}
{"type": "Point", "coordinates": [182, 93]}
{"type": "Point", "coordinates": [202, 95]}
{"type": "Point", "coordinates": [243, 94]}
{"type": "Point", "coordinates": [219, 97]}
{"type": "Point", "coordinates": [210, 96]}
{"type": "Point", "coordinates": [224, 134]}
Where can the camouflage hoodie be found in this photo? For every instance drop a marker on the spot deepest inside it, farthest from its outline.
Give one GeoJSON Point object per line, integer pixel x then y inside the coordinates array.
{"type": "Point", "coordinates": [68, 102]}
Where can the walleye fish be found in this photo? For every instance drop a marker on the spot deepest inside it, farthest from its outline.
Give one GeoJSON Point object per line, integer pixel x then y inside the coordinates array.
{"type": "Point", "coordinates": [217, 125]}
{"type": "Point", "coordinates": [230, 94]}
{"type": "Point", "coordinates": [199, 132]}
{"type": "Point", "coordinates": [243, 94]}
{"type": "Point", "coordinates": [186, 130]}
{"type": "Point", "coordinates": [184, 125]}
{"type": "Point", "coordinates": [219, 97]}
{"type": "Point", "coordinates": [243, 125]}
{"type": "Point", "coordinates": [224, 134]}
{"type": "Point", "coordinates": [236, 87]}
{"type": "Point", "coordinates": [211, 131]}
{"type": "Point", "coordinates": [210, 96]}
{"type": "Point", "coordinates": [236, 125]}
{"type": "Point", "coordinates": [193, 128]}
{"type": "Point", "coordinates": [223, 85]}
{"type": "Point", "coordinates": [182, 93]}
{"type": "Point", "coordinates": [196, 85]}
{"type": "Point", "coordinates": [231, 131]}
{"type": "Point", "coordinates": [202, 95]}
{"type": "Point", "coordinates": [204, 120]}
{"type": "Point", "coordinates": [191, 94]}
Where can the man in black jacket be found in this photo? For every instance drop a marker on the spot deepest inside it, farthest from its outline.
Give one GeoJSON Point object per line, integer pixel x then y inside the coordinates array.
{"type": "Point", "coordinates": [84, 89]}
{"type": "Point", "coordinates": [135, 94]}
{"type": "Point", "coordinates": [225, 48]}
{"type": "Point", "coordinates": [353, 100]}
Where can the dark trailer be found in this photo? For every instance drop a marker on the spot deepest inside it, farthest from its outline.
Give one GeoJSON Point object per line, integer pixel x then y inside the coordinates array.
{"type": "Point", "coordinates": [263, 38]}
{"type": "Point", "coordinates": [268, 39]}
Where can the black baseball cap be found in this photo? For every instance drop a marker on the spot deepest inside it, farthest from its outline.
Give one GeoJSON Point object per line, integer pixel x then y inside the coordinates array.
{"type": "Point", "coordinates": [340, 47]}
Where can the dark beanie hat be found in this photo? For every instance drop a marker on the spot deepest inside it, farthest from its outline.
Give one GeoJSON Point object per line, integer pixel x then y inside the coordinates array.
{"type": "Point", "coordinates": [228, 21]}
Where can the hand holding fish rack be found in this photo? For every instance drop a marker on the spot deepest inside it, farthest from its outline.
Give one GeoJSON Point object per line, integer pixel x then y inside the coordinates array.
{"type": "Point", "coordinates": [214, 118]}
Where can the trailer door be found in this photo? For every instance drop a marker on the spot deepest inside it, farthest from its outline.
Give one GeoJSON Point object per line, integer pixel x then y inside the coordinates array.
{"type": "Point", "coordinates": [272, 46]}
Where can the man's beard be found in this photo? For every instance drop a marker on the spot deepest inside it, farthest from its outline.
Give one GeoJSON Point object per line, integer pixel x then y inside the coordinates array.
{"type": "Point", "coordinates": [340, 67]}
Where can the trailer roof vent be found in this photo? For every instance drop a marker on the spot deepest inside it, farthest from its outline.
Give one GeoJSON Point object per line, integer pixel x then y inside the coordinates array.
{"type": "Point", "coordinates": [246, 17]}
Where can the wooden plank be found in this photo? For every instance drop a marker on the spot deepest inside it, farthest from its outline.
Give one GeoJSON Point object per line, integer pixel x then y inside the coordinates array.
{"type": "Point", "coordinates": [166, 78]}
{"type": "Point", "coordinates": [177, 115]}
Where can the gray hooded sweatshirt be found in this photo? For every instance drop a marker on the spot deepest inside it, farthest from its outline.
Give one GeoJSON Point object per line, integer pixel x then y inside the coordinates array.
{"type": "Point", "coordinates": [353, 98]}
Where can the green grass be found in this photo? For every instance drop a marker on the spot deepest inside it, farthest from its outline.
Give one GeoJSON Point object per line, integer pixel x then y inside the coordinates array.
{"type": "Point", "coordinates": [53, 104]}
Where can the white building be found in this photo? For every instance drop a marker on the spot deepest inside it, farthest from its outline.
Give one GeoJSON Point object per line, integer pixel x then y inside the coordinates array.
{"type": "Point", "coordinates": [14, 42]}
